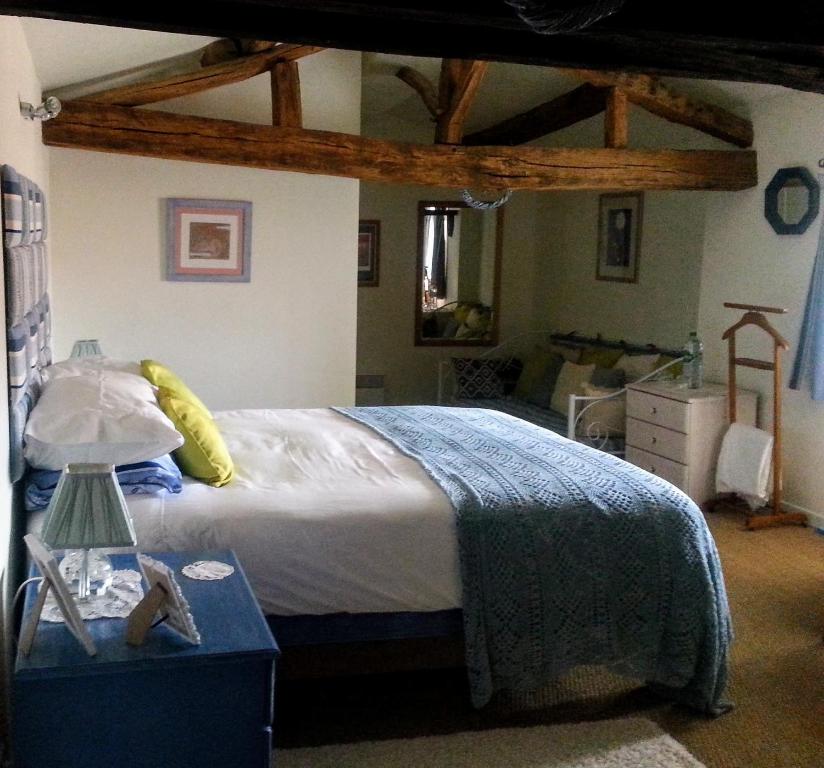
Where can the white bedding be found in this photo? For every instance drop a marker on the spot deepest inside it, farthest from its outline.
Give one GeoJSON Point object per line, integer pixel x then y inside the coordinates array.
{"type": "Point", "coordinates": [324, 515]}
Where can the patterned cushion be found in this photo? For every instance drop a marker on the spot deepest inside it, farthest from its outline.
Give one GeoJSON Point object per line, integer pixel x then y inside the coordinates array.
{"type": "Point", "coordinates": [480, 377]}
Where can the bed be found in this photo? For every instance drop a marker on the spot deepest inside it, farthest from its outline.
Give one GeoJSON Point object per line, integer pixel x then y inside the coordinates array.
{"type": "Point", "coordinates": [417, 520]}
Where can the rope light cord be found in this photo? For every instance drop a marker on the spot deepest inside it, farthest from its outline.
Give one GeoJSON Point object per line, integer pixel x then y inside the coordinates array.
{"type": "Point", "coordinates": [560, 17]}
{"type": "Point", "coordinates": [484, 205]}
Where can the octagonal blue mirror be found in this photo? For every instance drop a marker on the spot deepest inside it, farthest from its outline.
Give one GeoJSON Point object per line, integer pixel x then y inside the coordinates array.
{"type": "Point", "coordinates": [791, 200]}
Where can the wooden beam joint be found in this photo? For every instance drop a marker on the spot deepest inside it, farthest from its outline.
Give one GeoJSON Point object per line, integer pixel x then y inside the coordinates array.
{"type": "Point", "coordinates": [286, 103]}
{"type": "Point", "coordinates": [616, 121]}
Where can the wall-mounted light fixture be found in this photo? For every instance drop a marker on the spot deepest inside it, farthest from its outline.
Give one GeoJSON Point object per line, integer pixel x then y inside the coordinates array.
{"type": "Point", "coordinates": [46, 111]}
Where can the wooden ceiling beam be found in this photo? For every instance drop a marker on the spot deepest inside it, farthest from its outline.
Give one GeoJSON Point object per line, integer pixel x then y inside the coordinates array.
{"type": "Point", "coordinates": [213, 76]}
{"type": "Point", "coordinates": [565, 110]}
{"type": "Point", "coordinates": [659, 99]}
{"type": "Point", "coordinates": [423, 86]}
{"type": "Point", "coordinates": [287, 110]}
{"type": "Point", "coordinates": [459, 83]}
{"type": "Point", "coordinates": [163, 135]}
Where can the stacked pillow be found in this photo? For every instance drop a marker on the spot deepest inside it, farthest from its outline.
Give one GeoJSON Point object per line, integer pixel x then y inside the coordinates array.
{"type": "Point", "coordinates": [100, 410]}
{"type": "Point", "coordinates": [203, 454]}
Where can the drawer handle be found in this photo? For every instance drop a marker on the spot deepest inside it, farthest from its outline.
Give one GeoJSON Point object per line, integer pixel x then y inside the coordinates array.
{"type": "Point", "coordinates": [654, 411]}
{"type": "Point", "coordinates": [654, 440]}
{"type": "Point", "coordinates": [652, 469]}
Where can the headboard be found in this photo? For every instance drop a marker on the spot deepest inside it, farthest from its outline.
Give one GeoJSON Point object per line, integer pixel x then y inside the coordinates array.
{"type": "Point", "coordinates": [28, 319]}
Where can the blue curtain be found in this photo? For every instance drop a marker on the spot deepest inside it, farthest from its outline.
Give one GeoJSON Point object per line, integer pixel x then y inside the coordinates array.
{"type": "Point", "coordinates": [809, 359]}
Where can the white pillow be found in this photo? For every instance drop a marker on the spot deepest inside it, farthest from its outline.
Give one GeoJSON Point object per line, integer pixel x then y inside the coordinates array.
{"type": "Point", "coordinates": [608, 417]}
{"type": "Point", "coordinates": [570, 381]}
{"type": "Point", "coordinates": [82, 366]}
{"type": "Point", "coordinates": [636, 366]}
{"type": "Point", "coordinates": [103, 417]}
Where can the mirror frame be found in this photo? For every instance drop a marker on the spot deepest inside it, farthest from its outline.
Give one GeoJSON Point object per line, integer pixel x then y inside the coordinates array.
{"type": "Point", "coordinates": [771, 193]}
{"type": "Point", "coordinates": [420, 340]}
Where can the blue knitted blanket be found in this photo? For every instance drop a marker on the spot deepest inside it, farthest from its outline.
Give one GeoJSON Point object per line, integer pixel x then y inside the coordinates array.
{"type": "Point", "coordinates": [569, 556]}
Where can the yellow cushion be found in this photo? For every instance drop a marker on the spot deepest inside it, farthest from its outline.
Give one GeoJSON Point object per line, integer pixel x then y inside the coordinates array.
{"type": "Point", "coordinates": [570, 354]}
{"type": "Point", "coordinates": [571, 381]}
{"type": "Point", "coordinates": [674, 371]}
{"type": "Point", "coordinates": [603, 357]}
{"type": "Point", "coordinates": [203, 454]}
{"type": "Point", "coordinates": [159, 375]}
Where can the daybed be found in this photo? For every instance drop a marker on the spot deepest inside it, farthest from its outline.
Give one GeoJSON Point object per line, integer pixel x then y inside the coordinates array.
{"type": "Point", "coordinates": [570, 384]}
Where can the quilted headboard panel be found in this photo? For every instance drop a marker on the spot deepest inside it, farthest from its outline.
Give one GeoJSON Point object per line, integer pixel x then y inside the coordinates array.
{"type": "Point", "coordinates": [28, 319]}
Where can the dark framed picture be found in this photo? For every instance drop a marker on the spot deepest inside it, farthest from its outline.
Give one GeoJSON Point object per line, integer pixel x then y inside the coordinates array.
{"type": "Point", "coordinates": [369, 237]}
{"type": "Point", "coordinates": [619, 237]}
{"type": "Point", "coordinates": [208, 240]}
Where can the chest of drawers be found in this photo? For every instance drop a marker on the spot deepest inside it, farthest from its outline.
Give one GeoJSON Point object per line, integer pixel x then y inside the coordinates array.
{"type": "Point", "coordinates": [676, 433]}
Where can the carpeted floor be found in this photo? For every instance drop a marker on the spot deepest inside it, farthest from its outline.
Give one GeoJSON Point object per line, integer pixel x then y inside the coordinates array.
{"type": "Point", "coordinates": [622, 743]}
{"type": "Point", "coordinates": [775, 580]}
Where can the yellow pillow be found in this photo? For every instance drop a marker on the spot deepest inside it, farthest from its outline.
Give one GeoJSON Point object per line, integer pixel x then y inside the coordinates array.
{"type": "Point", "coordinates": [570, 381]}
{"type": "Point", "coordinates": [603, 357]}
{"type": "Point", "coordinates": [203, 454]}
{"type": "Point", "coordinates": [159, 375]}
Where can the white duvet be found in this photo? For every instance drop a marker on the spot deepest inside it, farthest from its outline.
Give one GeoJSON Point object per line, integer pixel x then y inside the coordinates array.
{"type": "Point", "coordinates": [323, 514]}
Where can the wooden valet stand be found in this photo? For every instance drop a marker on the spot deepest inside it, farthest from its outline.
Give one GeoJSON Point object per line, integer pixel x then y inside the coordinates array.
{"type": "Point", "coordinates": [773, 514]}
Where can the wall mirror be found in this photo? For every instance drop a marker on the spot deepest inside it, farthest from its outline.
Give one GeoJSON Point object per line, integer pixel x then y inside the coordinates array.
{"type": "Point", "coordinates": [791, 200]}
{"type": "Point", "coordinates": [458, 276]}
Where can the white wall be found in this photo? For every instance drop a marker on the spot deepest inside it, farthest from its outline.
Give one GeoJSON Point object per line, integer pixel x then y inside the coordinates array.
{"type": "Point", "coordinates": [662, 307]}
{"type": "Point", "coordinates": [746, 261]}
{"type": "Point", "coordinates": [20, 146]}
{"type": "Point", "coordinates": [287, 338]}
{"type": "Point", "coordinates": [386, 313]}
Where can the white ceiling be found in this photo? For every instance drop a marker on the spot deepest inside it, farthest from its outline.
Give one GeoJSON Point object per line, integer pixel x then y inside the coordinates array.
{"type": "Point", "coordinates": [66, 53]}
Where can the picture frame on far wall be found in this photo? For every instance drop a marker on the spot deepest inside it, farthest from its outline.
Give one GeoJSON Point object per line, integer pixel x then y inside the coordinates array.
{"type": "Point", "coordinates": [369, 237]}
{"type": "Point", "coordinates": [619, 236]}
{"type": "Point", "coordinates": [208, 240]}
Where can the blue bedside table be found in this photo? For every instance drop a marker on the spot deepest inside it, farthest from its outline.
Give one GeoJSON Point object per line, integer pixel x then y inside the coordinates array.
{"type": "Point", "coordinates": [166, 704]}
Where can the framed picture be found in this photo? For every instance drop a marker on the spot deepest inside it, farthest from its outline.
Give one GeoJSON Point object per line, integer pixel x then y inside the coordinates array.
{"type": "Point", "coordinates": [52, 580]}
{"type": "Point", "coordinates": [173, 606]}
{"type": "Point", "coordinates": [208, 240]}
{"type": "Point", "coordinates": [369, 236]}
{"type": "Point", "coordinates": [619, 237]}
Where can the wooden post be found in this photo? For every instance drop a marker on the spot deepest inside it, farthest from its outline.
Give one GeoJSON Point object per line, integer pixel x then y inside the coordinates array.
{"type": "Point", "coordinates": [776, 457]}
{"type": "Point", "coordinates": [286, 103]}
{"type": "Point", "coordinates": [733, 387]}
{"type": "Point", "coordinates": [616, 124]}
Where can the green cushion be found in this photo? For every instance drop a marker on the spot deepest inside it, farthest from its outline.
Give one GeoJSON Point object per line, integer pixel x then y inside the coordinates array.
{"type": "Point", "coordinates": [671, 373]}
{"type": "Point", "coordinates": [159, 375]}
{"type": "Point", "coordinates": [603, 357]}
{"type": "Point", "coordinates": [203, 454]}
{"type": "Point", "coordinates": [535, 368]}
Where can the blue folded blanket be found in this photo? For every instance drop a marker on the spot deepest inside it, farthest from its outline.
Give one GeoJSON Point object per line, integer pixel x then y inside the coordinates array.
{"type": "Point", "coordinates": [154, 476]}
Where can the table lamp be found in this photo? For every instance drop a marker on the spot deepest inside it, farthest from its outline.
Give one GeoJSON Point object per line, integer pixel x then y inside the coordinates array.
{"type": "Point", "coordinates": [86, 348]}
{"type": "Point", "coordinates": [87, 511]}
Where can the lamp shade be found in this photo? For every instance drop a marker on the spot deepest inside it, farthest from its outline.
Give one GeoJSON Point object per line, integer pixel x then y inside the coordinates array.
{"type": "Point", "coordinates": [86, 348]}
{"type": "Point", "coordinates": [88, 510]}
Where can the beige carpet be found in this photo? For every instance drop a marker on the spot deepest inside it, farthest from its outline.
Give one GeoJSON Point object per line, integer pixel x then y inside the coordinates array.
{"type": "Point", "coordinates": [625, 743]}
{"type": "Point", "coordinates": [775, 580]}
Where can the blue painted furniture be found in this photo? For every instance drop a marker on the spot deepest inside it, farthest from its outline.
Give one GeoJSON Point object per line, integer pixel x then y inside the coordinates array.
{"type": "Point", "coordinates": [167, 704]}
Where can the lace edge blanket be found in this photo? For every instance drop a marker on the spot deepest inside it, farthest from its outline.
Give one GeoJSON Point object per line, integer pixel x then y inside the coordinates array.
{"type": "Point", "coordinates": [569, 556]}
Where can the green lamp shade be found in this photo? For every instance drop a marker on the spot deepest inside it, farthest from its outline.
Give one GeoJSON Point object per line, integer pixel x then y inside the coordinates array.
{"type": "Point", "coordinates": [88, 510]}
{"type": "Point", "coordinates": [86, 348]}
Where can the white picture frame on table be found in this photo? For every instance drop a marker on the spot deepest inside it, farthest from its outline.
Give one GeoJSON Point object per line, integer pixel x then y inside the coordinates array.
{"type": "Point", "coordinates": [163, 597]}
{"type": "Point", "coordinates": [52, 580]}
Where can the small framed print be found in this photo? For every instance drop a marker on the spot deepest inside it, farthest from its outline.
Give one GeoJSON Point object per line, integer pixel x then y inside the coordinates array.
{"type": "Point", "coordinates": [369, 235]}
{"type": "Point", "coordinates": [208, 240]}
{"type": "Point", "coordinates": [171, 604]}
{"type": "Point", "coordinates": [619, 237]}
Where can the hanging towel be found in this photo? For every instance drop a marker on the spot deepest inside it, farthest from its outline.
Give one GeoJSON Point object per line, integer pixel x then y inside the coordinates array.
{"type": "Point", "coordinates": [744, 464]}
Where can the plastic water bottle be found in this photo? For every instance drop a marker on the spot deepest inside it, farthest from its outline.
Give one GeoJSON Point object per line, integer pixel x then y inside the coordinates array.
{"type": "Point", "coordinates": [695, 367]}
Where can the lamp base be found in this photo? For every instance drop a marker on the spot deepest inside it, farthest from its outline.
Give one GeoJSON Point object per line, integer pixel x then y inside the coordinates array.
{"type": "Point", "coordinates": [87, 572]}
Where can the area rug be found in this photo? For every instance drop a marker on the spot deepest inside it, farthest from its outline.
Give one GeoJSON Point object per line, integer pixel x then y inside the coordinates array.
{"type": "Point", "coordinates": [624, 743]}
